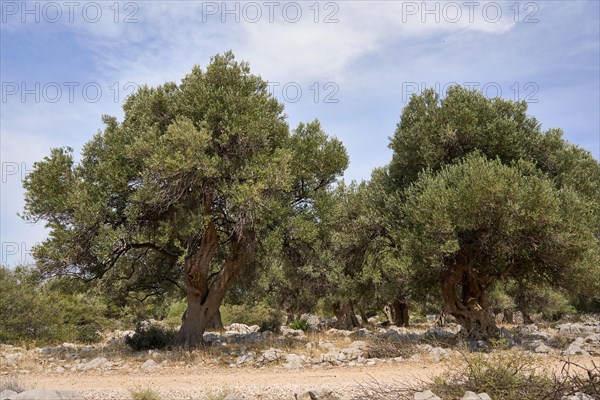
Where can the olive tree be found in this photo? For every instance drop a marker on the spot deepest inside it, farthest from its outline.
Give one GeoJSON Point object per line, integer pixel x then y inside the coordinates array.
{"type": "Point", "coordinates": [479, 221]}
{"type": "Point", "coordinates": [185, 186]}
{"type": "Point", "coordinates": [485, 195]}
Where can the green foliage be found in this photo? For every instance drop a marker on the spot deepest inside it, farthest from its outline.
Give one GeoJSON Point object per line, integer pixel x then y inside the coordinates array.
{"type": "Point", "coordinates": [89, 333]}
{"type": "Point", "coordinates": [195, 178]}
{"type": "Point", "coordinates": [252, 314]}
{"type": "Point", "coordinates": [34, 309]}
{"type": "Point", "coordinates": [24, 311]}
{"type": "Point", "coordinates": [150, 336]}
{"type": "Point", "coordinates": [296, 256]}
{"type": "Point", "coordinates": [176, 310]}
{"type": "Point", "coordinates": [433, 132]}
{"type": "Point", "coordinates": [530, 298]}
{"type": "Point", "coordinates": [586, 304]}
{"type": "Point", "coordinates": [272, 325]}
{"type": "Point", "coordinates": [145, 394]}
{"type": "Point", "coordinates": [500, 299]}
{"type": "Point", "coordinates": [418, 318]}
{"type": "Point", "coordinates": [480, 186]}
{"type": "Point", "coordinates": [541, 299]}
{"type": "Point", "coordinates": [300, 324]}
{"type": "Point", "coordinates": [510, 222]}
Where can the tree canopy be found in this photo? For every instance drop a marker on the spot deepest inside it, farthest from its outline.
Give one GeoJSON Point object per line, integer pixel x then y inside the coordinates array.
{"type": "Point", "coordinates": [203, 183]}
{"type": "Point", "coordinates": [487, 195]}
{"type": "Point", "coordinates": [478, 221]}
{"type": "Point", "coordinates": [188, 182]}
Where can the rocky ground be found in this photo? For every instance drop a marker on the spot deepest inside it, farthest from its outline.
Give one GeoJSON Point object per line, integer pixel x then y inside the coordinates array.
{"type": "Point", "coordinates": [245, 363]}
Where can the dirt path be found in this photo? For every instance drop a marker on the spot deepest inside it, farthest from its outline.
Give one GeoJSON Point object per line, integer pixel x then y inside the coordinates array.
{"type": "Point", "coordinates": [249, 383]}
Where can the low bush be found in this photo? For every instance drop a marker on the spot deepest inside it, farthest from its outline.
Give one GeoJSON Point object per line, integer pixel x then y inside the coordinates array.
{"type": "Point", "coordinates": [300, 324]}
{"type": "Point", "coordinates": [13, 383]}
{"type": "Point", "coordinates": [250, 314]}
{"type": "Point", "coordinates": [506, 375]}
{"type": "Point", "coordinates": [273, 325]}
{"type": "Point", "coordinates": [146, 394]}
{"type": "Point", "coordinates": [574, 378]}
{"type": "Point", "coordinates": [88, 333]}
{"type": "Point", "coordinates": [35, 309]}
{"type": "Point", "coordinates": [416, 318]}
{"type": "Point", "coordinates": [218, 395]}
{"type": "Point", "coordinates": [150, 336]}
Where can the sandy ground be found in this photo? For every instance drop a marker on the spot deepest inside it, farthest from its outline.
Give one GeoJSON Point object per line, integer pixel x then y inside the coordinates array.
{"type": "Point", "coordinates": [249, 383]}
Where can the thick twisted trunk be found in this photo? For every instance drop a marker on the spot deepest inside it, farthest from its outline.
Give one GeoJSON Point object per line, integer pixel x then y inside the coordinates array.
{"type": "Point", "coordinates": [194, 322]}
{"type": "Point", "coordinates": [346, 317]}
{"type": "Point", "coordinates": [397, 312]}
{"type": "Point", "coordinates": [204, 298]}
{"type": "Point", "coordinates": [469, 304]}
{"type": "Point", "coordinates": [362, 313]}
{"type": "Point", "coordinates": [216, 323]}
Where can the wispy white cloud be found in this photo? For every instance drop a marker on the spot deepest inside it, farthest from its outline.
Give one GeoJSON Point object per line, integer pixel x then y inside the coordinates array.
{"type": "Point", "coordinates": [322, 43]}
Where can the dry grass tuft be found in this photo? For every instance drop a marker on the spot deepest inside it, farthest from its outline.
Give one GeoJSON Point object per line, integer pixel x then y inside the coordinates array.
{"type": "Point", "coordinates": [507, 375]}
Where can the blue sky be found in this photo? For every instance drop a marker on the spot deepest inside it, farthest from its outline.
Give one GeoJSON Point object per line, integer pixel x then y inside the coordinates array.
{"type": "Point", "coordinates": [63, 65]}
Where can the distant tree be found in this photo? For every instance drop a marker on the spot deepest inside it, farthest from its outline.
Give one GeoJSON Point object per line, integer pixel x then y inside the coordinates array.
{"type": "Point", "coordinates": [295, 258]}
{"type": "Point", "coordinates": [332, 254]}
{"type": "Point", "coordinates": [485, 195]}
{"type": "Point", "coordinates": [370, 270]}
{"type": "Point", "coordinates": [193, 178]}
{"type": "Point", "coordinates": [33, 308]}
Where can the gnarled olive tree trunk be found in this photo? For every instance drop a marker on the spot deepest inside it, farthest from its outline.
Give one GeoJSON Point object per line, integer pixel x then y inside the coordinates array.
{"type": "Point", "coordinates": [464, 295]}
{"type": "Point", "coordinates": [396, 311]}
{"type": "Point", "coordinates": [216, 323]}
{"type": "Point", "coordinates": [203, 297]}
{"type": "Point", "coordinates": [346, 317]}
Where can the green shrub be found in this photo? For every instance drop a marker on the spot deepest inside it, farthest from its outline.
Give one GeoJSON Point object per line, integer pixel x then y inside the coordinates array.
{"type": "Point", "coordinates": [150, 336]}
{"type": "Point", "coordinates": [418, 318]}
{"type": "Point", "coordinates": [42, 310]}
{"type": "Point", "coordinates": [257, 314]}
{"type": "Point", "coordinates": [146, 394]}
{"type": "Point", "coordinates": [175, 313]}
{"type": "Point", "coordinates": [273, 325]}
{"type": "Point", "coordinates": [88, 334]}
{"type": "Point", "coordinates": [301, 324]}
{"type": "Point", "coordinates": [500, 344]}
